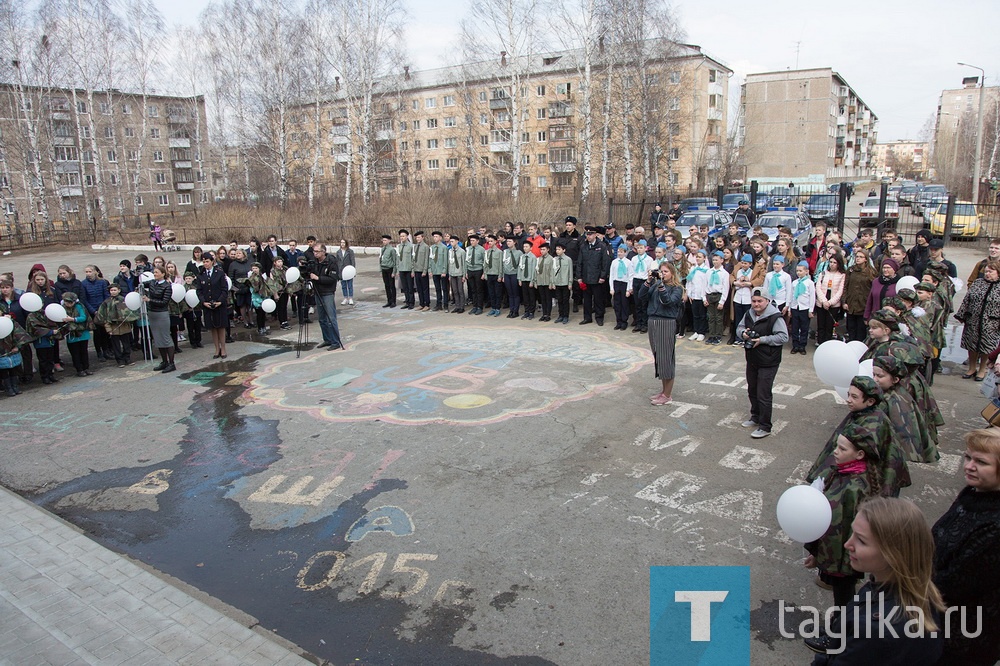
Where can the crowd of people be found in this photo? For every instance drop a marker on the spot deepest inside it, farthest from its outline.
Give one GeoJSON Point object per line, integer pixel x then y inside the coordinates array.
{"type": "Point", "coordinates": [764, 293]}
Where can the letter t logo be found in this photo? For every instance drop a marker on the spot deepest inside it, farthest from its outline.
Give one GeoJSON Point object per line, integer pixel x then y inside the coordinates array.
{"type": "Point", "coordinates": [701, 607]}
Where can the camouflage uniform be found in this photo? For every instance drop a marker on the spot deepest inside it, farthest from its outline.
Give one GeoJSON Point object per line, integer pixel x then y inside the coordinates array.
{"type": "Point", "coordinates": [893, 469]}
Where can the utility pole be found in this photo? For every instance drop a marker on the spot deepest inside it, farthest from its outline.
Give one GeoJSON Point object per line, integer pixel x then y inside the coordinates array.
{"type": "Point", "coordinates": [979, 133]}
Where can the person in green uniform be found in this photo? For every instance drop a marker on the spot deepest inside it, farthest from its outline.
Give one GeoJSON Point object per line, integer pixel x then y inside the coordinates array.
{"type": "Point", "coordinates": [560, 281]}
{"type": "Point", "coordinates": [437, 265]}
{"type": "Point", "coordinates": [543, 282]}
{"type": "Point", "coordinates": [388, 260]}
{"type": "Point", "coordinates": [511, 258]}
{"type": "Point", "coordinates": [474, 259]}
{"type": "Point", "coordinates": [455, 265]}
{"type": "Point", "coordinates": [913, 436]}
{"type": "Point", "coordinates": [526, 266]}
{"type": "Point", "coordinates": [404, 266]}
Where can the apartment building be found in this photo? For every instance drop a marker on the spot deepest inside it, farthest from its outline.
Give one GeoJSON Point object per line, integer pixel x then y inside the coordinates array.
{"type": "Point", "coordinates": [955, 128]}
{"type": "Point", "coordinates": [657, 127]}
{"type": "Point", "coordinates": [902, 159]}
{"type": "Point", "coordinates": [69, 157]}
{"type": "Point", "coordinates": [806, 126]}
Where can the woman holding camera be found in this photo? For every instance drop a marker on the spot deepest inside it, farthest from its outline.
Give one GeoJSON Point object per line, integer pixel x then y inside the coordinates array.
{"type": "Point", "coordinates": [665, 296]}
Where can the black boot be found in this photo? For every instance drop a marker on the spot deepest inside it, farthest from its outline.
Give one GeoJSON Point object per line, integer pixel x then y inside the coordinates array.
{"type": "Point", "coordinates": [15, 384]}
{"type": "Point", "coordinates": [163, 361]}
{"type": "Point", "coordinates": [9, 386]}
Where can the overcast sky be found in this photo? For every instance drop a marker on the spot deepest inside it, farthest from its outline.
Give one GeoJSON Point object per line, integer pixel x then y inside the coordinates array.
{"type": "Point", "coordinates": [897, 55]}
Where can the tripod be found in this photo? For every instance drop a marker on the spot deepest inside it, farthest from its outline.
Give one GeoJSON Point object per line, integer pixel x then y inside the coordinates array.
{"type": "Point", "coordinates": [303, 315]}
{"type": "Point", "coordinates": [145, 338]}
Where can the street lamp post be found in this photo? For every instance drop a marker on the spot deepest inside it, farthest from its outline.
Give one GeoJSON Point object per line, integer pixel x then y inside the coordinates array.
{"type": "Point", "coordinates": [979, 132]}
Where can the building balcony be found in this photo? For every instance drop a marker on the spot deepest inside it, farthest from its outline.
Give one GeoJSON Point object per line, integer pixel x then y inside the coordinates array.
{"type": "Point", "coordinates": [562, 167]}
{"type": "Point", "coordinates": [184, 186]}
{"type": "Point", "coordinates": [182, 164]}
{"type": "Point", "coordinates": [715, 88]}
{"type": "Point", "coordinates": [383, 135]}
{"type": "Point", "coordinates": [497, 104]}
{"type": "Point", "coordinates": [339, 140]}
{"type": "Point", "coordinates": [60, 115]}
{"type": "Point", "coordinates": [67, 167]}
{"type": "Point", "coordinates": [340, 130]}
{"type": "Point", "coordinates": [343, 158]}
{"type": "Point", "coordinates": [70, 191]}
{"type": "Point", "coordinates": [385, 166]}
{"type": "Point", "coordinates": [715, 114]}
{"type": "Point", "coordinates": [180, 143]}
{"type": "Point", "coordinates": [500, 146]}
{"type": "Point", "coordinates": [63, 141]}
{"type": "Point", "coordinates": [841, 120]}
{"type": "Point", "coordinates": [177, 119]}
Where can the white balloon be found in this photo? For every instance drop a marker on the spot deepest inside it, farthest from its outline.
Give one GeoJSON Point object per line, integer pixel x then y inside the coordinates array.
{"type": "Point", "coordinates": [348, 273]}
{"type": "Point", "coordinates": [858, 347]}
{"type": "Point", "coordinates": [292, 275]}
{"type": "Point", "coordinates": [133, 300]}
{"type": "Point", "coordinates": [268, 305]}
{"type": "Point", "coordinates": [147, 276]}
{"type": "Point", "coordinates": [842, 391]}
{"type": "Point", "coordinates": [55, 312]}
{"type": "Point", "coordinates": [30, 302]}
{"type": "Point", "coordinates": [867, 368]}
{"type": "Point", "coordinates": [804, 513]}
{"type": "Point", "coordinates": [958, 283]}
{"type": "Point", "coordinates": [907, 282]}
{"type": "Point", "coordinates": [835, 363]}
{"type": "Point", "coordinates": [191, 298]}
{"type": "Point", "coordinates": [177, 292]}
{"type": "Point", "coordinates": [229, 283]}
{"type": "Point", "coordinates": [6, 326]}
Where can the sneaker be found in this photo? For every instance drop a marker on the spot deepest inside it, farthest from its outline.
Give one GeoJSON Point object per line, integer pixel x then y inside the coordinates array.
{"type": "Point", "coordinates": [737, 344]}
{"type": "Point", "coordinates": [661, 400]}
{"type": "Point", "coordinates": [821, 644]}
{"type": "Point", "coordinates": [344, 302]}
{"type": "Point", "coordinates": [694, 336]}
{"type": "Point", "coordinates": [701, 337]}
{"type": "Point", "coordinates": [658, 395]}
{"type": "Point", "coordinates": [59, 367]}
{"type": "Point", "coordinates": [350, 301]}
{"type": "Point", "coordinates": [748, 423]}
{"type": "Point", "coordinates": [760, 433]}
{"type": "Point", "coordinates": [181, 338]}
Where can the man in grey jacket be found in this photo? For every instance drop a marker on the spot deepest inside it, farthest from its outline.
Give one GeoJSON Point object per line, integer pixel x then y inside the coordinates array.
{"type": "Point", "coordinates": [764, 333]}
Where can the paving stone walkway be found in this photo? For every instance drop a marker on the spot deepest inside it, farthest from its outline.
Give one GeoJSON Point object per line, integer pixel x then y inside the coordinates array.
{"type": "Point", "coordinates": [65, 599]}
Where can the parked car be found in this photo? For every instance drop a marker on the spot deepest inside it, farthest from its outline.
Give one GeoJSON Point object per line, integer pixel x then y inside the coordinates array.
{"type": "Point", "coordinates": [929, 199]}
{"type": "Point", "coordinates": [762, 203]}
{"type": "Point", "coordinates": [782, 196]}
{"type": "Point", "coordinates": [907, 194]}
{"type": "Point", "coordinates": [965, 223]}
{"type": "Point", "coordinates": [716, 219]}
{"type": "Point", "coordinates": [894, 191]}
{"type": "Point", "coordinates": [822, 207]}
{"type": "Point", "coordinates": [835, 188]}
{"type": "Point", "coordinates": [731, 202]}
{"type": "Point", "coordinates": [869, 212]}
{"type": "Point", "coordinates": [693, 202]}
{"type": "Point", "coordinates": [793, 218]}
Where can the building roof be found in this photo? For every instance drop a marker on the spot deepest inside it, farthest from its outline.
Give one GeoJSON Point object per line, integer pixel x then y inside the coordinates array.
{"type": "Point", "coordinates": [811, 73]}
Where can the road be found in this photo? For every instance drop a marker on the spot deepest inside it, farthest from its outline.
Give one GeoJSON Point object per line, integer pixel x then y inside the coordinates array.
{"type": "Point", "coordinates": [450, 489]}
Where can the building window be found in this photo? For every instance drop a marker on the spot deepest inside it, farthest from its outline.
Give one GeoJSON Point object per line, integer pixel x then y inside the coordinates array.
{"type": "Point", "coordinates": [88, 180]}
{"type": "Point", "coordinates": [500, 136]}
{"type": "Point", "coordinates": [153, 111]}
{"type": "Point", "coordinates": [543, 181]}
{"type": "Point", "coordinates": [675, 154]}
{"type": "Point", "coordinates": [540, 114]}
{"type": "Point", "coordinates": [675, 103]}
{"type": "Point", "coordinates": [503, 117]}
{"type": "Point", "coordinates": [451, 143]}
{"type": "Point", "coordinates": [66, 154]}
{"type": "Point", "coordinates": [564, 180]}
{"type": "Point", "coordinates": [184, 199]}
{"type": "Point", "coordinates": [543, 136]}
{"type": "Point", "coordinates": [416, 165]}
{"type": "Point", "coordinates": [404, 145]}
{"type": "Point", "coordinates": [449, 100]}
{"type": "Point", "coordinates": [105, 108]}
{"type": "Point", "coordinates": [85, 131]}
{"type": "Point", "coordinates": [72, 205]}
{"type": "Point", "coordinates": [484, 119]}
{"type": "Point", "coordinates": [432, 144]}
{"type": "Point", "coordinates": [562, 155]}
{"type": "Point", "coordinates": [157, 155]}
{"type": "Point", "coordinates": [484, 140]}
{"type": "Point", "coordinates": [402, 125]}
{"type": "Point", "coordinates": [675, 77]}
{"type": "Point", "coordinates": [525, 159]}
{"type": "Point", "coordinates": [129, 132]}
{"type": "Point", "coordinates": [430, 102]}
{"type": "Point", "coordinates": [163, 200]}
{"type": "Point", "coordinates": [564, 88]}
{"type": "Point", "coordinates": [416, 144]}
{"type": "Point", "coordinates": [138, 200]}
{"type": "Point", "coordinates": [109, 133]}
{"type": "Point", "coordinates": [433, 164]}
{"type": "Point", "coordinates": [127, 109]}
{"type": "Point", "coordinates": [432, 123]}
{"type": "Point", "coordinates": [674, 178]}
{"type": "Point", "coordinates": [674, 128]}
{"type": "Point", "coordinates": [154, 133]}
{"type": "Point", "coordinates": [450, 121]}
{"type": "Point", "coordinates": [81, 107]}
{"type": "Point", "coordinates": [540, 91]}
{"type": "Point", "coordinates": [542, 158]}
{"type": "Point", "coordinates": [416, 125]}
{"type": "Point", "coordinates": [161, 178]}
{"type": "Point", "coordinates": [204, 197]}
{"type": "Point", "coordinates": [482, 95]}
{"type": "Point", "coordinates": [451, 163]}
{"type": "Point", "coordinates": [133, 155]}
{"type": "Point", "coordinates": [712, 75]}
{"type": "Point", "coordinates": [112, 156]}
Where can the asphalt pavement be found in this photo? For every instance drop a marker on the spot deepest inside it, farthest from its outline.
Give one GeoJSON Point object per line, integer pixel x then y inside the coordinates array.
{"type": "Point", "coordinates": [448, 489]}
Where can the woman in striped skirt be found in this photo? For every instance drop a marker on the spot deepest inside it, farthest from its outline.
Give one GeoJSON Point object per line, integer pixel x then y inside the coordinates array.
{"type": "Point", "coordinates": [663, 291]}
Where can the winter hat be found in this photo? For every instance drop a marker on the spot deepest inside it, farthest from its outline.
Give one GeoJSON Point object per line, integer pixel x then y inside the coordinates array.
{"type": "Point", "coordinates": [891, 262]}
{"type": "Point", "coordinates": [126, 263]}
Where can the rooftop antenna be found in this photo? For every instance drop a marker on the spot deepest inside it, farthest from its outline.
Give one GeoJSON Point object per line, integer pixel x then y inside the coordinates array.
{"type": "Point", "coordinates": [798, 47]}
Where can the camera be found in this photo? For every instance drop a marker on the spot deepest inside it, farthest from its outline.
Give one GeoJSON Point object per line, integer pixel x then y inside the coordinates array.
{"type": "Point", "coordinates": [752, 336]}
{"type": "Point", "coordinates": [654, 274]}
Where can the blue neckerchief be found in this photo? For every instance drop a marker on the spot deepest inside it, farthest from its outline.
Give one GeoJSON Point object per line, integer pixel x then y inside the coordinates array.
{"type": "Point", "coordinates": [800, 287]}
{"type": "Point", "coordinates": [714, 278]}
{"type": "Point", "coordinates": [775, 283]}
{"type": "Point", "coordinates": [622, 271]}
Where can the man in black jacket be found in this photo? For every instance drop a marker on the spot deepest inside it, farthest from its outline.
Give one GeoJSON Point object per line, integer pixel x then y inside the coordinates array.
{"type": "Point", "coordinates": [592, 268]}
{"type": "Point", "coordinates": [269, 253]}
{"type": "Point", "coordinates": [324, 279]}
{"type": "Point", "coordinates": [570, 239]}
{"type": "Point", "coordinates": [764, 333]}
